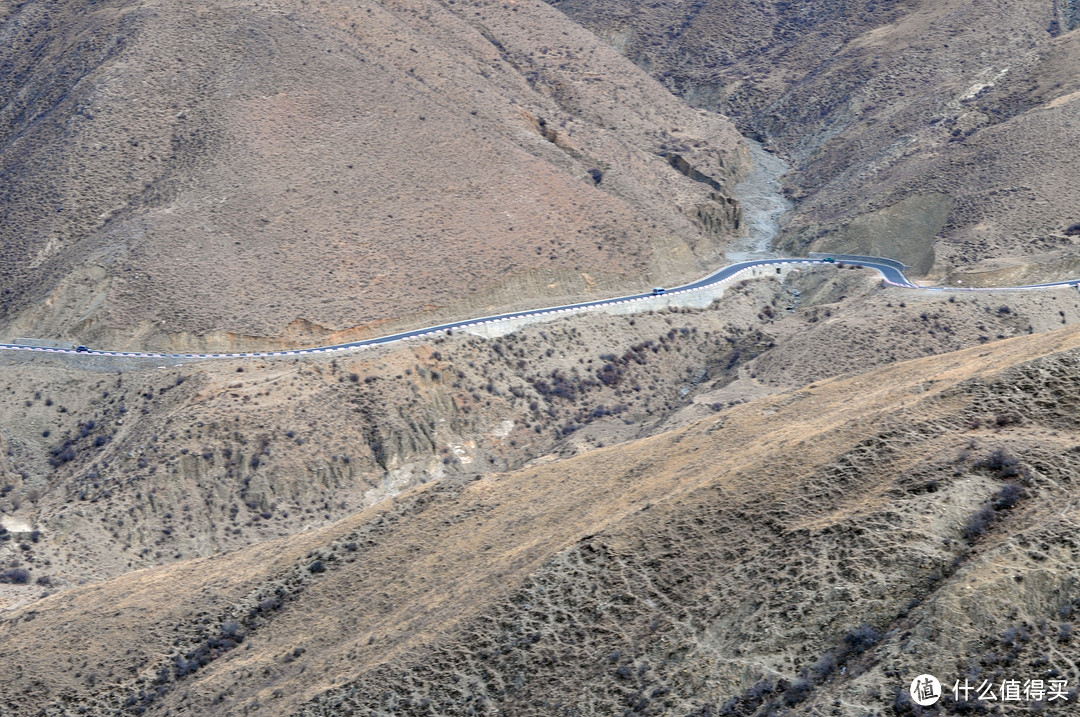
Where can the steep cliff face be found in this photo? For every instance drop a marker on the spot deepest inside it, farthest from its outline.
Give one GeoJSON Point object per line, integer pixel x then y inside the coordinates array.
{"type": "Point", "coordinates": [212, 175]}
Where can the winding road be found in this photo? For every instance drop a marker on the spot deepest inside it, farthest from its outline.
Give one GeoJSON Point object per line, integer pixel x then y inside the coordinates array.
{"type": "Point", "coordinates": [892, 272]}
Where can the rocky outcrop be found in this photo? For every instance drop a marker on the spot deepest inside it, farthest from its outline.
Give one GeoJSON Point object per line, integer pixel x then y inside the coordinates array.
{"type": "Point", "coordinates": [721, 217]}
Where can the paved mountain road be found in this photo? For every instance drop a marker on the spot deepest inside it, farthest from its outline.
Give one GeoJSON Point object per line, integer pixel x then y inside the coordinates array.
{"type": "Point", "coordinates": [891, 271]}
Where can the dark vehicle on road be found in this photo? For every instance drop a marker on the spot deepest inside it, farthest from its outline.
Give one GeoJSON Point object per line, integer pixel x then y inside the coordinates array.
{"type": "Point", "coordinates": [830, 260]}
{"type": "Point", "coordinates": [82, 349]}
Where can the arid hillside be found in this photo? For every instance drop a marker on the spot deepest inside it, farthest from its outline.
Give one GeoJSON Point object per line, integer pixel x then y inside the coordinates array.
{"type": "Point", "coordinates": [810, 551]}
{"type": "Point", "coordinates": [784, 497]}
{"type": "Point", "coordinates": [940, 133]}
{"type": "Point", "coordinates": [241, 174]}
{"type": "Point", "coordinates": [113, 466]}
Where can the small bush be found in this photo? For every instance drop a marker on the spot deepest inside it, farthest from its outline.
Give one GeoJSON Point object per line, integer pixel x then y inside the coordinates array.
{"type": "Point", "coordinates": [824, 666]}
{"type": "Point", "coordinates": [1008, 418]}
{"type": "Point", "coordinates": [15, 576]}
{"type": "Point", "coordinates": [1008, 496]}
{"type": "Point", "coordinates": [861, 638]}
{"type": "Point", "coordinates": [979, 522]}
{"type": "Point", "coordinates": [270, 604]}
{"type": "Point", "coordinates": [797, 692]}
{"type": "Point", "coordinates": [1000, 460]}
{"type": "Point", "coordinates": [1015, 635]}
{"type": "Point", "coordinates": [292, 656]}
{"type": "Point", "coordinates": [61, 455]}
{"type": "Point", "coordinates": [759, 691]}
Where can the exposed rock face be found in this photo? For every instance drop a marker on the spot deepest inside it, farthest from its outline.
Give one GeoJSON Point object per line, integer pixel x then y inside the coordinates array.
{"type": "Point", "coordinates": [720, 216]}
{"type": "Point", "coordinates": [208, 176]}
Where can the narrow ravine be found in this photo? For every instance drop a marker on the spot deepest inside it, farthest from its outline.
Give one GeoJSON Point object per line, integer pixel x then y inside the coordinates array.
{"type": "Point", "coordinates": [764, 205]}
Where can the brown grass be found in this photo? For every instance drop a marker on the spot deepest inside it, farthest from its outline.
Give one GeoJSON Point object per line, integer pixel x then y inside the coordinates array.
{"type": "Point", "coordinates": [220, 175]}
{"type": "Point", "coordinates": [437, 566]}
{"type": "Point", "coordinates": [890, 115]}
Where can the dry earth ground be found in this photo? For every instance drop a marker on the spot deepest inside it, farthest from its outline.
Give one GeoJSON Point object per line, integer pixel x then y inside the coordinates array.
{"type": "Point", "coordinates": [119, 470]}
{"type": "Point", "coordinates": [869, 518]}
{"type": "Point", "coordinates": [939, 133]}
{"type": "Point", "coordinates": [249, 174]}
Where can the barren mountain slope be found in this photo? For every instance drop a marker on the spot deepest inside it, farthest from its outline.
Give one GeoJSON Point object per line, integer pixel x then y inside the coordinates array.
{"type": "Point", "coordinates": [252, 173]}
{"type": "Point", "coordinates": [114, 467]}
{"type": "Point", "coordinates": [815, 550]}
{"type": "Point", "coordinates": [943, 134]}
{"type": "Point", "coordinates": [789, 502]}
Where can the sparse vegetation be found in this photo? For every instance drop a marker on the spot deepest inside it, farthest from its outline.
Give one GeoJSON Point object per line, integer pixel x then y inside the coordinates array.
{"type": "Point", "coordinates": [777, 505]}
{"type": "Point", "coordinates": [15, 576]}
